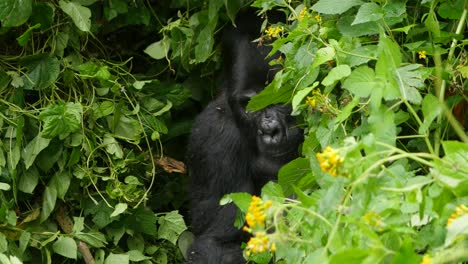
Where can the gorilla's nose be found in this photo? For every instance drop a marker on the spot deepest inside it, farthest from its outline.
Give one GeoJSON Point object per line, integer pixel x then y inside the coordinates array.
{"type": "Point", "coordinates": [270, 130]}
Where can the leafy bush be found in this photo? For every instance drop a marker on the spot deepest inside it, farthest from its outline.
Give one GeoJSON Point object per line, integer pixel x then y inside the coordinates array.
{"type": "Point", "coordinates": [384, 177]}
{"type": "Point", "coordinates": [94, 94]}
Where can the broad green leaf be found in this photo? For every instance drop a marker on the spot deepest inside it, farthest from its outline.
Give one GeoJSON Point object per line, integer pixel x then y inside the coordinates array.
{"type": "Point", "coordinates": [136, 255]}
{"type": "Point", "coordinates": [383, 126]}
{"type": "Point", "coordinates": [33, 148]}
{"type": "Point", "coordinates": [24, 241]}
{"type": "Point", "coordinates": [43, 14]}
{"type": "Point", "coordinates": [126, 127]}
{"type": "Point", "coordinates": [140, 220]}
{"type": "Point", "coordinates": [361, 82]}
{"type": "Point", "coordinates": [28, 180]}
{"type": "Point", "coordinates": [232, 7]}
{"type": "Point", "coordinates": [323, 55]}
{"type": "Point", "coordinates": [388, 60]}
{"type": "Point", "coordinates": [452, 170]}
{"type": "Point", "coordinates": [117, 259]}
{"type": "Point", "coordinates": [241, 200]}
{"type": "Point", "coordinates": [43, 71]}
{"type": "Point", "coordinates": [112, 146]}
{"type": "Point", "coordinates": [205, 43]}
{"type": "Point", "coordinates": [184, 242]}
{"type": "Point", "coordinates": [4, 186]}
{"type": "Point", "coordinates": [119, 208]}
{"type": "Point", "coordinates": [336, 74]}
{"type": "Point", "coordinates": [14, 13]}
{"type": "Point", "coordinates": [274, 93]}
{"type": "Point", "coordinates": [61, 119]}
{"type": "Point", "coordinates": [410, 79]}
{"type": "Point", "coordinates": [368, 12]}
{"type": "Point", "coordinates": [24, 38]}
{"type": "Point", "coordinates": [273, 191]}
{"type": "Point", "coordinates": [299, 96]}
{"type": "Point", "coordinates": [79, 14]}
{"type": "Point", "coordinates": [291, 173]}
{"type": "Point", "coordinates": [159, 50]}
{"type": "Point", "coordinates": [458, 228]}
{"type": "Point", "coordinates": [331, 7]}
{"type": "Point", "coordinates": [93, 238]}
{"type": "Point", "coordinates": [171, 226]}
{"type": "Point", "coordinates": [350, 256]}
{"type": "Point", "coordinates": [61, 181]}
{"type": "Point", "coordinates": [49, 197]}
{"type": "Point", "coordinates": [3, 243]}
{"type": "Point", "coordinates": [431, 109]}
{"type": "Point", "coordinates": [65, 246]}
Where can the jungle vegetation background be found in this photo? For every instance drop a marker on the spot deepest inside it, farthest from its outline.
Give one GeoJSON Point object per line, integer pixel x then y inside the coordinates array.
{"type": "Point", "coordinates": [97, 98]}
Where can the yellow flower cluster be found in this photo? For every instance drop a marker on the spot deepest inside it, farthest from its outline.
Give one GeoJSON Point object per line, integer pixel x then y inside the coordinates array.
{"type": "Point", "coordinates": [373, 219]}
{"type": "Point", "coordinates": [255, 219]}
{"type": "Point", "coordinates": [274, 32]}
{"type": "Point", "coordinates": [426, 259]}
{"type": "Point", "coordinates": [304, 13]}
{"type": "Point", "coordinates": [422, 54]}
{"type": "Point", "coordinates": [310, 101]}
{"type": "Point", "coordinates": [459, 211]}
{"type": "Point", "coordinates": [330, 161]}
{"type": "Point", "coordinates": [318, 18]}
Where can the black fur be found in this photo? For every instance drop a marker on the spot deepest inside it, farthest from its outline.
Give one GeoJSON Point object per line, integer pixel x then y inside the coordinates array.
{"type": "Point", "coordinates": [234, 151]}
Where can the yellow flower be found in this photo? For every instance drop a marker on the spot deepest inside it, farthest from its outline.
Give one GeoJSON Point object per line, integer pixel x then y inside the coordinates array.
{"type": "Point", "coordinates": [459, 211]}
{"type": "Point", "coordinates": [256, 212]}
{"type": "Point", "coordinates": [373, 219]}
{"type": "Point", "coordinates": [274, 32]}
{"type": "Point", "coordinates": [304, 13]}
{"type": "Point", "coordinates": [259, 244]}
{"type": "Point", "coordinates": [310, 101]}
{"type": "Point", "coordinates": [422, 54]}
{"type": "Point", "coordinates": [318, 18]}
{"type": "Point", "coordinates": [330, 161]}
{"type": "Point", "coordinates": [426, 259]}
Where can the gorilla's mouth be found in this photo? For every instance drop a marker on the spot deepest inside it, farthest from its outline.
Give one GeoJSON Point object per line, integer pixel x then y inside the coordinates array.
{"type": "Point", "coordinates": [270, 131]}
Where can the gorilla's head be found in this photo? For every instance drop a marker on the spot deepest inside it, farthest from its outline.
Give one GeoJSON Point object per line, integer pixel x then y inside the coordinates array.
{"type": "Point", "coordinates": [272, 130]}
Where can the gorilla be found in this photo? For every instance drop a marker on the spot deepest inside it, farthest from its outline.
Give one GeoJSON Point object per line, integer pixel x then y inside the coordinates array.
{"type": "Point", "coordinates": [232, 150]}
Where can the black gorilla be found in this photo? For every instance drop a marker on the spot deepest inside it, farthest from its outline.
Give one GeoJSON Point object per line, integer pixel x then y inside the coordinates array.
{"type": "Point", "coordinates": [231, 150]}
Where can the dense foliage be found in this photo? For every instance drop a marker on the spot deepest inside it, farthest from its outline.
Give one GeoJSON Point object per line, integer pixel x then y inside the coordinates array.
{"type": "Point", "coordinates": [97, 95]}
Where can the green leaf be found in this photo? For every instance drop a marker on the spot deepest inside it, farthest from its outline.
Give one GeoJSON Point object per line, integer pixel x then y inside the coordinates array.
{"type": "Point", "coordinates": [336, 74]}
{"type": "Point", "coordinates": [93, 238]}
{"type": "Point", "coordinates": [350, 256]}
{"type": "Point", "coordinates": [291, 173]}
{"type": "Point", "coordinates": [368, 12]}
{"type": "Point", "coordinates": [61, 119]}
{"type": "Point", "coordinates": [141, 220]}
{"type": "Point", "coordinates": [43, 71]}
{"type": "Point", "coordinates": [4, 186]}
{"type": "Point", "coordinates": [452, 170]}
{"type": "Point", "coordinates": [49, 198]}
{"type": "Point", "coordinates": [117, 259]}
{"type": "Point", "coordinates": [61, 181]}
{"type": "Point", "coordinates": [34, 147]}
{"type": "Point", "coordinates": [171, 226]}
{"type": "Point", "coordinates": [299, 96]}
{"type": "Point", "coordinates": [241, 200]}
{"type": "Point", "coordinates": [3, 243]}
{"type": "Point", "coordinates": [136, 255]}
{"type": "Point", "coordinates": [28, 180]}
{"type": "Point", "coordinates": [119, 208]}
{"type": "Point", "coordinates": [410, 79]}
{"type": "Point", "coordinates": [274, 93]}
{"type": "Point", "coordinates": [431, 110]}
{"type": "Point", "coordinates": [24, 241]}
{"type": "Point", "coordinates": [24, 38]}
{"type": "Point", "coordinates": [331, 7]}
{"type": "Point", "coordinates": [65, 246]}
{"type": "Point", "coordinates": [126, 127]}
{"type": "Point", "coordinates": [361, 82]}
{"type": "Point", "coordinates": [43, 14]}
{"type": "Point", "coordinates": [14, 13]}
{"type": "Point", "coordinates": [458, 228]}
{"type": "Point", "coordinates": [323, 55]}
{"type": "Point", "coordinates": [79, 14]}
{"type": "Point", "coordinates": [159, 50]}
{"type": "Point", "coordinates": [112, 146]}
{"type": "Point", "coordinates": [205, 43]}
